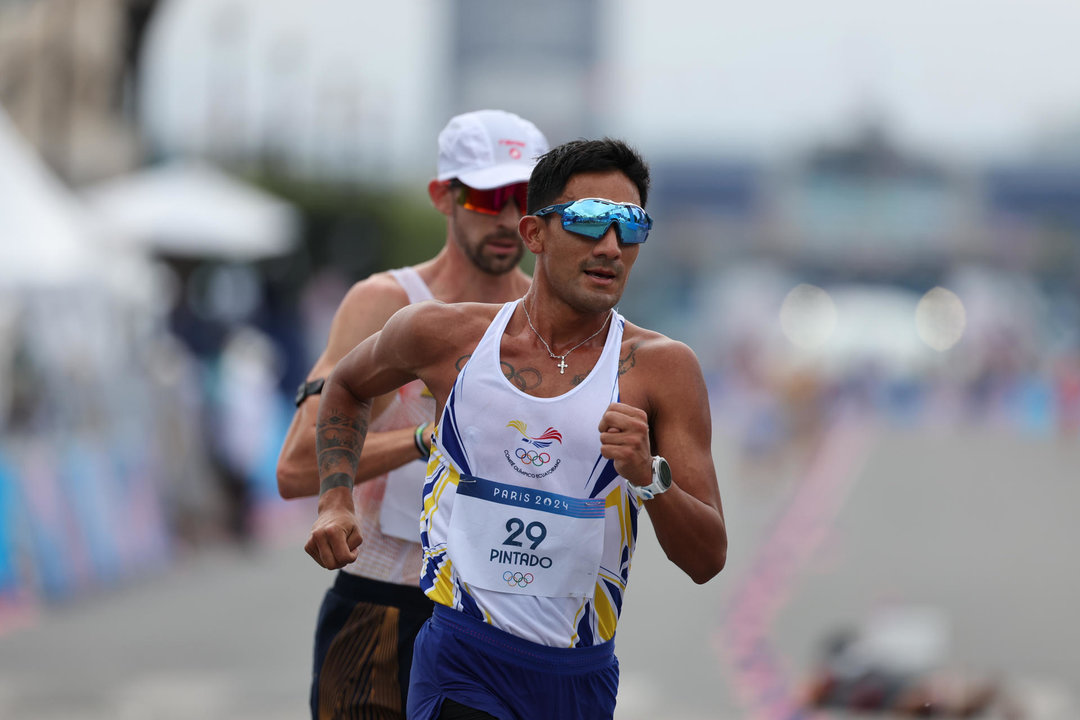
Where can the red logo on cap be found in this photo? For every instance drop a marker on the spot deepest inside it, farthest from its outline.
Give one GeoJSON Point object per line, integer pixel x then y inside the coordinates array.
{"type": "Point", "coordinates": [515, 147]}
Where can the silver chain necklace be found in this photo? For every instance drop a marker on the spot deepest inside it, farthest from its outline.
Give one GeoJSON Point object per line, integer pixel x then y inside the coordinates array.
{"type": "Point", "coordinates": [561, 358]}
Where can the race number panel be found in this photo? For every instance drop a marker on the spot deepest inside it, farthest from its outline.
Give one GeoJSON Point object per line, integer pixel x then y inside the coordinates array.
{"type": "Point", "coordinates": [519, 540]}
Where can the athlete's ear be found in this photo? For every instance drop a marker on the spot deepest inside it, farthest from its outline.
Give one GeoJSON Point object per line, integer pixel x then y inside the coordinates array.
{"type": "Point", "coordinates": [532, 230]}
{"type": "Point", "coordinates": [442, 196]}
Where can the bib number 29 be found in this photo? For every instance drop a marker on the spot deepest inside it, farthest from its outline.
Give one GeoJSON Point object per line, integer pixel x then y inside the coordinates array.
{"type": "Point", "coordinates": [534, 531]}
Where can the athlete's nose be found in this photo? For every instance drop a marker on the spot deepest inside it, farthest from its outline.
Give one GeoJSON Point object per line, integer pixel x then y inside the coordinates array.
{"type": "Point", "coordinates": [608, 244]}
{"type": "Point", "coordinates": [510, 213]}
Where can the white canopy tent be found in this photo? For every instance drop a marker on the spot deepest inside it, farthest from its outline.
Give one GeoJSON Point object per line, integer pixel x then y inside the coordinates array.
{"type": "Point", "coordinates": [66, 295]}
{"type": "Point", "coordinates": [192, 209]}
{"type": "Point", "coordinates": [94, 434]}
{"type": "Point", "coordinates": [45, 238]}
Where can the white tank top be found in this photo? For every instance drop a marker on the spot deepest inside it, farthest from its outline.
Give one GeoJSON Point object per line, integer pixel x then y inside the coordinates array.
{"type": "Point", "coordinates": [388, 506]}
{"type": "Point", "coordinates": [525, 525]}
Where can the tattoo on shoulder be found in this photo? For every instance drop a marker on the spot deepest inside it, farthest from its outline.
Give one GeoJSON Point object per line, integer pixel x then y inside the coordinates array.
{"type": "Point", "coordinates": [524, 378]}
{"type": "Point", "coordinates": [629, 360]}
{"type": "Point", "coordinates": [461, 362]}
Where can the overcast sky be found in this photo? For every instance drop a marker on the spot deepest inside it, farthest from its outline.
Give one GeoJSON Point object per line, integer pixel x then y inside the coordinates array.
{"type": "Point", "coordinates": [962, 77]}
{"type": "Point", "coordinates": [969, 75]}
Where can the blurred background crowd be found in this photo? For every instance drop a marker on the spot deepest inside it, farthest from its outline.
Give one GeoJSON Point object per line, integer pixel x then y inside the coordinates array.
{"type": "Point", "coordinates": [845, 219]}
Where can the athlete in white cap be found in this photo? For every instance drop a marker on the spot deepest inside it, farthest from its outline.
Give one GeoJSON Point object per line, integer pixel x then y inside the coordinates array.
{"type": "Point", "coordinates": [370, 616]}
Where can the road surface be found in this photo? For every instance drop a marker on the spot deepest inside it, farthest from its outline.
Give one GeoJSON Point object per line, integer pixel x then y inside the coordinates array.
{"type": "Point", "coordinates": [976, 524]}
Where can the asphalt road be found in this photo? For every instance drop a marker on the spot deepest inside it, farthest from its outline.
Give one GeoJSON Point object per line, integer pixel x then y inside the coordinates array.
{"type": "Point", "coordinates": [977, 525]}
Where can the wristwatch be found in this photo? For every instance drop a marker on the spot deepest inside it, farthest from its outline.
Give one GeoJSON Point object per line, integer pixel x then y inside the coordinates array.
{"type": "Point", "coordinates": [661, 480]}
{"type": "Point", "coordinates": [309, 388]}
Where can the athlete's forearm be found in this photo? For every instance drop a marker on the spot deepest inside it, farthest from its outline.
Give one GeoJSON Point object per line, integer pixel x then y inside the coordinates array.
{"type": "Point", "coordinates": [691, 532]}
{"type": "Point", "coordinates": [297, 468]}
{"type": "Point", "coordinates": [340, 432]}
{"type": "Point", "coordinates": [298, 471]}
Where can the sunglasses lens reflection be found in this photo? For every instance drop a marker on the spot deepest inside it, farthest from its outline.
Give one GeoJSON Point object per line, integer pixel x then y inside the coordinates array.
{"type": "Point", "coordinates": [492, 202]}
{"type": "Point", "coordinates": [592, 218]}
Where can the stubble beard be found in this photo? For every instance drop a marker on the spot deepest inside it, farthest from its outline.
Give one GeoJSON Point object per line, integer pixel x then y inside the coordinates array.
{"type": "Point", "coordinates": [586, 302]}
{"type": "Point", "coordinates": [486, 263]}
{"type": "Point", "coordinates": [591, 303]}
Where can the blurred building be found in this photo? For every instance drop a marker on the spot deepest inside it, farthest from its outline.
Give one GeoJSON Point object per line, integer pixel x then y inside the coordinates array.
{"type": "Point", "coordinates": [1033, 217]}
{"type": "Point", "coordinates": [548, 77]}
{"type": "Point", "coordinates": [65, 70]}
{"type": "Point", "coordinates": [866, 209]}
{"type": "Point", "coordinates": [738, 234]}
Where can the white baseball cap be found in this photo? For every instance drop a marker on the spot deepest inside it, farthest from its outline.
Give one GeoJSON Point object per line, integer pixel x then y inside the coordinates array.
{"type": "Point", "coordinates": [486, 149]}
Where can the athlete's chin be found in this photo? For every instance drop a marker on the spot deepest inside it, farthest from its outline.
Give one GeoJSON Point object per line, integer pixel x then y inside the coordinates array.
{"type": "Point", "coordinates": [596, 301]}
{"type": "Point", "coordinates": [499, 264]}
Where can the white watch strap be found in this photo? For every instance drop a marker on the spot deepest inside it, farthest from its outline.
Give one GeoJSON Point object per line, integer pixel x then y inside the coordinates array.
{"type": "Point", "coordinates": [648, 492]}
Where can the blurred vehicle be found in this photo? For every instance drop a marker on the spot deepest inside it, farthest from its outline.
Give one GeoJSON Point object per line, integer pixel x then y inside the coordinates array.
{"type": "Point", "coordinates": [893, 665]}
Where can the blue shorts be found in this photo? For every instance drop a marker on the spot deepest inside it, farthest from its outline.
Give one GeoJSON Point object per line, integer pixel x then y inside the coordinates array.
{"type": "Point", "coordinates": [484, 668]}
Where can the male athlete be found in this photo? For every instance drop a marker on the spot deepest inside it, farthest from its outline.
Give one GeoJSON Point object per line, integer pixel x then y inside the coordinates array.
{"type": "Point", "coordinates": [369, 618]}
{"type": "Point", "coordinates": [558, 421]}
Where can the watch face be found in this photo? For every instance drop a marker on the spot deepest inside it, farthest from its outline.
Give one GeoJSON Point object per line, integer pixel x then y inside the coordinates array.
{"type": "Point", "coordinates": [663, 473]}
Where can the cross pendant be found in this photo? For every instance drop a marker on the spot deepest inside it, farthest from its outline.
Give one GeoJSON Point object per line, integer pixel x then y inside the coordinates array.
{"type": "Point", "coordinates": [562, 365]}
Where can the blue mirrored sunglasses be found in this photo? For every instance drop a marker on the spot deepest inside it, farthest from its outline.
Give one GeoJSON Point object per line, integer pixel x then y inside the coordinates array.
{"type": "Point", "coordinates": [592, 217]}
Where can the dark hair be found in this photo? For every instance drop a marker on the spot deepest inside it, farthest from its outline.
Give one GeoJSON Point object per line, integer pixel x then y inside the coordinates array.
{"type": "Point", "coordinates": [555, 168]}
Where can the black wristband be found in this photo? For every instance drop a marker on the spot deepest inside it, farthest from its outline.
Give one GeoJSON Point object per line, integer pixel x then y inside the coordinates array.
{"type": "Point", "coordinates": [309, 388]}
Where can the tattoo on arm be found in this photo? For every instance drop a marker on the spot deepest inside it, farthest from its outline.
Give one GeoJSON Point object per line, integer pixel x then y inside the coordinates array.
{"type": "Point", "coordinates": [461, 362]}
{"type": "Point", "coordinates": [338, 441]}
{"type": "Point", "coordinates": [334, 481]}
{"type": "Point", "coordinates": [629, 361]}
{"type": "Point", "coordinates": [524, 378]}
{"type": "Point", "coordinates": [329, 460]}
{"type": "Point", "coordinates": [338, 420]}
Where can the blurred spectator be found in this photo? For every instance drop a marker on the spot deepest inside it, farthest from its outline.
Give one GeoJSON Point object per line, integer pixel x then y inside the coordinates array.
{"type": "Point", "coordinates": [244, 423]}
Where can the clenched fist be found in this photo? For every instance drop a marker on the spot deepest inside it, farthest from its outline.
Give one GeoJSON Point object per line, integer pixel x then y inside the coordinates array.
{"type": "Point", "coordinates": [334, 538]}
{"type": "Point", "coordinates": [624, 439]}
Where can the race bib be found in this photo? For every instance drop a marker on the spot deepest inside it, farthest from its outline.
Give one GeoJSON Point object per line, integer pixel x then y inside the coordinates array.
{"type": "Point", "coordinates": [400, 513]}
{"type": "Point", "coordinates": [529, 542]}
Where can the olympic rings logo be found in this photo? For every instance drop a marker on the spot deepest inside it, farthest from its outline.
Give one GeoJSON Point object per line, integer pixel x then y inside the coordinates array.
{"type": "Point", "coordinates": [516, 578]}
{"type": "Point", "coordinates": [532, 457]}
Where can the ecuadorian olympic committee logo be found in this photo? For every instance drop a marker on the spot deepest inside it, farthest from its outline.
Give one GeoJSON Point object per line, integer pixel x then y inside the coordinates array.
{"type": "Point", "coordinates": [533, 453]}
